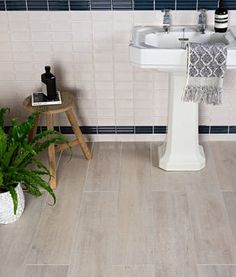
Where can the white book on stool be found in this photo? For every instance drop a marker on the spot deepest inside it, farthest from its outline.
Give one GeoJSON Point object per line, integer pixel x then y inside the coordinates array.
{"type": "Point", "coordinates": [40, 99]}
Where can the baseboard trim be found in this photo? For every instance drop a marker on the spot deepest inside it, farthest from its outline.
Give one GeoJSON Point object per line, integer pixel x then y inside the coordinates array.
{"type": "Point", "coordinates": [142, 130]}
{"type": "Point", "coordinates": [138, 130]}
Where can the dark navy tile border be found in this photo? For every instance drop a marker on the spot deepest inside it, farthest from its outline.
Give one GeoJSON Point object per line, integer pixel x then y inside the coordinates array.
{"type": "Point", "coordinates": [219, 129]}
{"type": "Point", "coordinates": [143, 130]}
{"type": "Point", "coordinates": [164, 4]}
{"type": "Point", "coordinates": [79, 5]}
{"type": "Point", "coordinates": [37, 5]}
{"type": "Point", "coordinates": [209, 4]}
{"type": "Point", "coordinates": [101, 4]}
{"type": "Point", "coordinates": [122, 5]}
{"type": "Point", "coordinates": [106, 129]}
{"type": "Point", "coordinates": [89, 129]}
{"type": "Point", "coordinates": [85, 5]}
{"type": "Point", "coordinates": [2, 6]}
{"type": "Point", "coordinates": [186, 5]}
{"type": "Point", "coordinates": [232, 129]}
{"type": "Point", "coordinates": [16, 5]}
{"type": "Point", "coordinates": [203, 129]}
{"type": "Point", "coordinates": [160, 129]}
{"type": "Point", "coordinates": [143, 5]}
{"type": "Point", "coordinates": [125, 129]}
{"type": "Point", "coordinates": [58, 5]}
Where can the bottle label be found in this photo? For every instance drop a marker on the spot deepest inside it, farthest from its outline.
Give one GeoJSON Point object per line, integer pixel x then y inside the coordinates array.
{"type": "Point", "coordinates": [221, 21]}
{"type": "Point", "coordinates": [221, 17]}
{"type": "Point", "coordinates": [221, 25]}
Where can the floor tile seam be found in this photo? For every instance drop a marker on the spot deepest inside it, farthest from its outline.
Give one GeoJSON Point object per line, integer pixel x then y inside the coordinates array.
{"type": "Point", "coordinates": [44, 205]}
{"type": "Point", "coordinates": [49, 264]}
{"type": "Point", "coordinates": [79, 215]}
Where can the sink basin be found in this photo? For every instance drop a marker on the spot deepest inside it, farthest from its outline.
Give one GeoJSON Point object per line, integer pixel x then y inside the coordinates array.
{"type": "Point", "coordinates": [150, 47]}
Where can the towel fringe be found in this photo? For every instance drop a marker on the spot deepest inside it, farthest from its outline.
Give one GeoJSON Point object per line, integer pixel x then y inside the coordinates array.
{"type": "Point", "coordinates": [203, 94]}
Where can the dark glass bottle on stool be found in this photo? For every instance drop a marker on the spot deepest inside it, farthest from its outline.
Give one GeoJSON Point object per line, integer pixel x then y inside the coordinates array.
{"type": "Point", "coordinates": [49, 84]}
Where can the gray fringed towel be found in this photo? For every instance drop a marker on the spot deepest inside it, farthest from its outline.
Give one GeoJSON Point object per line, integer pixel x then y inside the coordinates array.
{"type": "Point", "coordinates": [205, 72]}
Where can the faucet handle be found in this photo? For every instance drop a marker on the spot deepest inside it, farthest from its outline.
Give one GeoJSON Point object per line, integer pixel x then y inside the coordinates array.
{"type": "Point", "coordinates": [166, 11]}
{"type": "Point", "coordinates": [203, 10]}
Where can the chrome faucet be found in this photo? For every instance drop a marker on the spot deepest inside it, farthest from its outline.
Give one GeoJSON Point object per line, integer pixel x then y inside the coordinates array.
{"type": "Point", "coordinates": [166, 20]}
{"type": "Point", "coordinates": [202, 21]}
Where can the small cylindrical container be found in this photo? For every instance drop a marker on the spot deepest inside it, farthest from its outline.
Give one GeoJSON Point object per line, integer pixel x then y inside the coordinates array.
{"type": "Point", "coordinates": [221, 18]}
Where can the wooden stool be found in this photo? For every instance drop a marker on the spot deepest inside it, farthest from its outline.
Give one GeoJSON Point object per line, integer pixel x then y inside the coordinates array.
{"type": "Point", "coordinates": [67, 107]}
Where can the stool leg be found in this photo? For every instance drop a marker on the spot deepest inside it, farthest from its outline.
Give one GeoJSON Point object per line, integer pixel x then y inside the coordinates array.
{"type": "Point", "coordinates": [78, 134]}
{"type": "Point", "coordinates": [51, 154]}
{"type": "Point", "coordinates": [34, 129]}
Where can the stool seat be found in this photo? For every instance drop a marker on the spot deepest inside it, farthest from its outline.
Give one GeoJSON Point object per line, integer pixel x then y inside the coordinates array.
{"type": "Point", "coordinates": [68, 101]}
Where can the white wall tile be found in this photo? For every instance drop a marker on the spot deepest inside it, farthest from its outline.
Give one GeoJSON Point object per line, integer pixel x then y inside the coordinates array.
{"type": "Point", "coordinates": [82, 31]}
{"type": "Point", "coordinates": [62, 36]}
{"type": "Point", "coordinates": [22, 47]}
{"type": "Point", "coordinates": [80, 15]}
{"type": "Point", "coordinates": [124, 112]}
{"type": "Point", "coordinates": [7, 76]}
{"type": "Point", "coordinates": [41, 36]}
{"type": "Point", "coordinates": [101, 67]}
{"type": "Point", "coordinates": [36, 16]}
{"type": "Point", "coordinates": [62, 46]}
{"type": "Point", "coordinates": [105, 103]}
{"type": "Point", "coordinates": [6, 56]}
{"type": "Point", "coordinates": [41, 46]}
{"type": "Point", "coordinates": [19, 26]}
{"type": "Point", "coordinates": [26, 76]}
{"type": "Point", "coordinates": [86, 103]}
{"type": "Point", "coordinates": [5, 47]}
{"type": "Point", "coordinates": [102, 57]}
{"type": "Point", "coordinates": [17, 16]}
{"type": "Point", "coordinates": [4, 26]}
{"type": "Point", "coordinates": [105, 112]}
{"type": "Point", "coordinates": [144, 17]}
{"type": "Point", "coordinates": [101, 16]}
{"type": "Point", "coordinates": [6, 66]}
{"type": "Point", "coordinates": [103, 76]}
{"type": "Point", "coordinates": [61, 25]}
{"type": "Point", "coordinates": [184, 17]}
{"type": "Point", "coordinates": [123, 16]}
{"type": "Point", "coordinates": [24, 66]}
{"type": "Point", "coordinates": [20, 36]}
{"type": "Point", "coordinates": [124, 103]}
{"type": "Point", "coordinates": [5, 37]}
{"type": "Point", "coordinates": [82, 47]}
{"type": "Point", "coordinates": [123, 76]}
{"type": "Point", "coordinates": [124, 120]}
{"type": "Point", "coordinates": [103, 94]}
{"type": "Point", "coordinates": [3, 17]}
{"type": "Point", "coordinates": [84, 76]}
{"type": "Point", "coordinates": [106, 121]}
{"type": "Point", "coordinates": [81, 58]}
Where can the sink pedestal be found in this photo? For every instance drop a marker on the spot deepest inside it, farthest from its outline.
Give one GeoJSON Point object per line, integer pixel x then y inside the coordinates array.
{"type": "Point", "coordinates": [181, 151]}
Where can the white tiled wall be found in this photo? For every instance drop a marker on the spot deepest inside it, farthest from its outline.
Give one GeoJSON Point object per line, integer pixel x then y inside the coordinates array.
{"type": "Point", "coordinates": [88, 52]}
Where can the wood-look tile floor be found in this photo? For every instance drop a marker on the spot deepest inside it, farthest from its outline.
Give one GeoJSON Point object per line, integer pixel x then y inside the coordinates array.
{"type": "Point", "coordinates": [119, 215]}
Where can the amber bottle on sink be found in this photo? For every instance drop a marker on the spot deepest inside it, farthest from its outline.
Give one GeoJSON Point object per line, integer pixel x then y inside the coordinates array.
{"type": "Point", "coordinates": [221, 18]}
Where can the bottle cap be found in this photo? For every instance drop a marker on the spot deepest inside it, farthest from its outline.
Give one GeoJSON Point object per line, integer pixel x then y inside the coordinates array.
{"type": "Point", "coordinates": [47, 68]}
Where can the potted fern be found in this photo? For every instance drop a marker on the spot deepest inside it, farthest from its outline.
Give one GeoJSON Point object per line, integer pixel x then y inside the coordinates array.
{"type": "Point", "coordinates": [20, 166]}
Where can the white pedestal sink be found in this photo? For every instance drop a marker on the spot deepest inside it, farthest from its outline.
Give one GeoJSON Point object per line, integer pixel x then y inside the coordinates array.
{"type": "Point", "coordinates": [151, 48]}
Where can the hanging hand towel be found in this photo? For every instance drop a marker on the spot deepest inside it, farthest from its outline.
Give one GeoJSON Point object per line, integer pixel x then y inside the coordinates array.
{"type": "Point", "coordinates": [205, 72]}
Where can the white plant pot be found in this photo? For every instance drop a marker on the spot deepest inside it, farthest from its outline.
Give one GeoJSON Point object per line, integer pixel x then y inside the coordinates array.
{"type": "Point", "coordinates": [6, 206]}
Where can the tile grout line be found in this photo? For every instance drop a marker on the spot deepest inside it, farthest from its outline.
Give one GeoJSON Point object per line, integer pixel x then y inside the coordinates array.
{"type": "Point", "coordinates": [79, 214]}
{"type": "Point", "coordinates": [35, 233]}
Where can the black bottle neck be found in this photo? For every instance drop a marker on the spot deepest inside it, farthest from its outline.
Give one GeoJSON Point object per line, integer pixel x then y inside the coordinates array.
{"type": "Point", "coordinates": [221, 4]}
